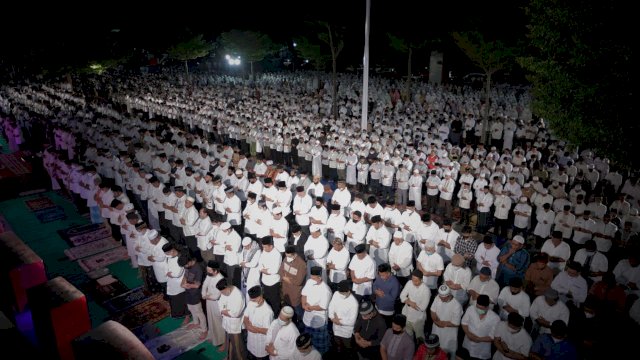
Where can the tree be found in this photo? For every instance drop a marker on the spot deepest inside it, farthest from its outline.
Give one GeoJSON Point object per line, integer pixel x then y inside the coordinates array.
{"type": "Point", "coordinates": [491, 57]}
{"type": "Point", "coordinates": [192, 49]}
{"type": "Point", "coordinates": [406, 46]}
{"type": "Point", "coordinates": [252, 46]}
{"type": "Point", "coordinates": [334, 37]}
{"type": "Point", "coordinates": [312, 52]}
{"type": "Point", "coordinates": [580, 68]}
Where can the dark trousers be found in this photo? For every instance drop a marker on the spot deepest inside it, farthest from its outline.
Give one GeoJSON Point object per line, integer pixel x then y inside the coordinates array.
{"type": "Point", "coordinates": [272, 296]}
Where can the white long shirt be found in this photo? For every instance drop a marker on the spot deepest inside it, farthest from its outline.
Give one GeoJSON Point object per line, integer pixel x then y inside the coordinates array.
{"type": "Point", "coordinates": [365, 268]}
{"type": "Point", "coordinates": [346, 309]}
{"type": "Point", "coordinates": [262, 317]}
{"type": "Point", "coordinates": [540, 308]}
{"type": "Point", "coordinates": [421, 295]}
{"type": "Point", "coordinates": [479, 327]}
{"type": "Point", "coordinates": [519, 301]}
{"type": "Point", "coordinates": [519, 342]}
{"type": "Point", "coordinates": [283, 340]}
{"type": "Point", "coordinates": [234, 302]}
{"type": "Point", "coordinates": [401, 255]}
{"type": "Point", "coordinates": [271, 261]}
{"type": "Point", "coordinates": [320, 295]}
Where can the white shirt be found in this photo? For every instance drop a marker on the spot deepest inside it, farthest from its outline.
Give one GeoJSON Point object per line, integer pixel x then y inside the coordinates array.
{"type": "Point", "coordinates": [401, 255]}
{"type": "Point", "coordinates": [234, 302]}
{"type": "Point", "coordinates": [519, 301]}
{"type": "Point", "coordinates": [489, 288]}
{"type": "Point", "coordinates": [271, 261]}
{"type": "Point", "coordinates": [565, 284]}
{"type": "Point", "coordinates": [599, 262]}
{"type": "Point", "coordinates": [301, 207]}
{"type": "Point", "coordinates": [430, 263]}
{"type": "Point", "coordinates": [365, 268]}
{"type": "Point", "coordinates": [540, 308]}
{"type": "Point", "coordinates": [341, 260]}
{"type": "Point", "coordinates": [320, 295]}
{"type": "Point", "coordinates": [421, 295]}
{"type": "Point", "coordinates": [563, 251]}
{"type": "Point", "coordinates": [262, 317]}
{"type": "Point", "coordinates": [447, 311]}
{"type": "Point", "coordinates": [174, 280]}
{"type": "Point", "coordinates": [479, 327]}
{"type": "Point", "coordinates": [347, 311]}
{"type": "Point", "coordinates": [283, 340]}
{"type": "Point", "coordinates": [519, 342]}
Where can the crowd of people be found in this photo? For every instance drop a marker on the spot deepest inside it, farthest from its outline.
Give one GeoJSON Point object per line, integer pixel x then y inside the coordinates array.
{"type": "Point", "coordinates": [280, 232]}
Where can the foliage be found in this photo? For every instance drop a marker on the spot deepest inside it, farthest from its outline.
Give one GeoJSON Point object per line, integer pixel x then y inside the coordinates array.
{"type": "Point", "coordinates": [580, 68]}
{"type": "Point", "coordinates": [192, 49]}
{"type": "Point", "coordinates": [490, 56]}
{"type": "Point", "coordinates": [312, 51]}
{"type": "Point", "coordinates": [251, 46]}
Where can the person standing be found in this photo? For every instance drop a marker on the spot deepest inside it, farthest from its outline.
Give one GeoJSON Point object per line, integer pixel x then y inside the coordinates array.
{"type": "Point", "coordinates": [211, 295]}
{"type": "Point", "coordinates": [343, 312]}
{"type": "Point", "coordinates": [269, 266]}
{"type": "Point", "coordinates": [368, 332]}
{"type": "Point", "coordinates": [386, 289]}
{"type": "Point", "coordinates": [192, 283]}
{"type": "Point", "coordinates": [362, 269]}
{"type": "Point", "coordinates": [316, 296]}
{"type": "Point", "coordinates": [175, 292]}
{"type": "Point", "coordinates": [478, 324]}
{"type": "Point", "coordinates": [511, 340]}
{"type": "Point", "coordinates": [231, 308]}
{"type": "Point", "coordinates": [446, 314]}
{"type": "Point", "coordinates": [256, 320]}
{"type": "Point", "coordinates": [416, 297]}
{"type": "Point", "coordinates": [396, 343]}
{"type": "Point", "coordinates": [293, 271]}
{"type": "Point", "coordinates": [282, 336]}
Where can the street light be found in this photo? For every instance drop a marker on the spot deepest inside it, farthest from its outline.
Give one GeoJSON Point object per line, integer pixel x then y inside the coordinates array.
{"type": "Point", "coordinates": [231, 60]}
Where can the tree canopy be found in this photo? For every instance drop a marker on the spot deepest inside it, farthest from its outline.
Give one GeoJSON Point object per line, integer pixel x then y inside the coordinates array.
{"type": "Point", "coordinates": [192, 49]}
{"type": "Point", "coordinates": [250, 45]}
{"type": "Point", "coordinates": [580, 68]}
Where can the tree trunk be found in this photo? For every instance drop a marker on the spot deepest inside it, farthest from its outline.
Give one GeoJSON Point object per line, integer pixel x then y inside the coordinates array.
{"type": "Point", "coordinates": [186, 69]}
{"type": "Point", "coordinates": [407, 89]}
{"type": "Point", "coordinates": [485, 113]}
{"type": "Point", "coordinates": [251, 64]}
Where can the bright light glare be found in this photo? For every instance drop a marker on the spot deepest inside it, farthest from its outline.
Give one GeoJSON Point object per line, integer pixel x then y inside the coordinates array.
{"type": "Point", "coordinates": [295, 44]}
{"type": "Point", "coordinates": [233, 61]}
{"type": "Point", "coordinates": [227, 57]}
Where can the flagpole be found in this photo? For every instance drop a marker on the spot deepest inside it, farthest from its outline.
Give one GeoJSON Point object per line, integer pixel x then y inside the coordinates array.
{"type": "Point", "coordinates": [365, 70]}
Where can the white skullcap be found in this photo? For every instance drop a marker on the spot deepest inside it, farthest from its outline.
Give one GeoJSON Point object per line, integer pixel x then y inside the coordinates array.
{"type": "Point", "coordinates": [148, 176]}
{"type": "Point", "coordinates": [152, 234]}
{"type": "Point", "coordinates": [444, 290]}
{"type": "Point", "coordinates": [190, 199]}
{"type": "Point", "coordinates": [276, 210]}
{"type": "Point", "coordinates": [314, 228]}
{"type": "Point", "coordinates": [239, 172]}
{"type": "Point", "coordinates": [519, 239]}
{"type": "Point", "coordinates": [225, 226]}
{"type": "Point", "coordinates": [269, 162]}
{"type": "Point", "coordinates": [128, 207]}
{"type": "Point", "coordinates": [246, 241]}
{"type": "Point", "coordinates": [398, 234]}
{"type": "Point", "coordinates": [287, 311]}
{"type": "Point", "coordinates": [523, 199]}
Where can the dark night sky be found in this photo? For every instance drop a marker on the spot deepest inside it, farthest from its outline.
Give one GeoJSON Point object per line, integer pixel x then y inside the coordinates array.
{"type": "Point", "coordinates": [53, 28]}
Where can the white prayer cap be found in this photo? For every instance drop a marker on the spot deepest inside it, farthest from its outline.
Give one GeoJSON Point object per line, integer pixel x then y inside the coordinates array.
{"type": "Point", "coordinates": [444, 290]}
{"type": "Point", "coordinates": [519, 239]}
{"type": "Point", "coordinates": [128, 207]}
{"type": "Point", "coordinates": [287, 311]}
{"type": "Point", "coordinates": [225, 226]}
{"type": "Point", "coordinates": [246, 241]}
{"type": "Point", "coordinates": [527, 185]}
{"type": "Point", "coordinates": [148, 176]}
{"type": "Point", "coordinates": [190, 199]}
{"type": "Point", "coordinates": [269, 162]}
{"type": "Point", "coordinates": [276, 210]}
{"type": "Point", "coordinates": [535, 178]}
{"type": "Point", "coordinates": [447, 173]}
{"type": "Point", "coordinates": [430, 243]}
{"type": "Point", "coordinates": [152, 234]}
{"type": "Point", "coordinates": [398, 234]}
{"type": "Point", "coordinates": [239, 172]}
{"type": "Point", "coordinates": [314, 228]}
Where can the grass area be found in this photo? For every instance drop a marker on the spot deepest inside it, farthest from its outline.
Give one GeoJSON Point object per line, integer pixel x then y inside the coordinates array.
{"type": "Point", "coordinates": [45, 241]}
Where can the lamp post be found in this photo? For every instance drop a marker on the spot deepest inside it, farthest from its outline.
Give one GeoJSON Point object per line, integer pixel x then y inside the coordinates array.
{"type": "Point", "coordinates": [365, 70]}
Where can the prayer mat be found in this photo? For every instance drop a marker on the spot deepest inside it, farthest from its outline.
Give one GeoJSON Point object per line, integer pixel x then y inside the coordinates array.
{"type": "Point", "coordinates": [104, 259]}
{"type": "Point", "coordinates": [125, 301]}
{"type": "Point", "coordinates": [39, 203]}
{"type": "Point", "coordinates": [82, 234]}
{"type": "Point", "coordinates": [50, 214]}
{"type": "Point", "coordinates": [91, 248]}
{"type": "Point", "coordinates": [174, 344]}
{"type": "Point", "coordinates": [106, 288]}
{"type": "Point", "coordinates": [150, 311]}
